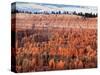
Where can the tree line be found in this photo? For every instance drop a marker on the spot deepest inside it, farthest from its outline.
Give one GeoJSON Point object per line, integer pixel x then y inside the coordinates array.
{"type": "Point", "coordinates": [87, 15]}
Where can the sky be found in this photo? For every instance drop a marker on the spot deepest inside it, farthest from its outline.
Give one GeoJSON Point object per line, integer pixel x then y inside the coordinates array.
{"type": "Point", "coordinates": [39, 7]}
